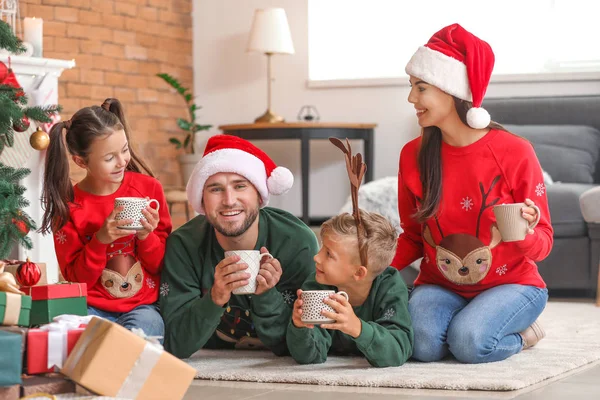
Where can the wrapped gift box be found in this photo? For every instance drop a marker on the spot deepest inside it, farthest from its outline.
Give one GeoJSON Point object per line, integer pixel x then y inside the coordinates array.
{"type": "Point", "coordinates": [11, 356]}
{"type": "Point", "coordinates": [43, 311]}
{"type": "Point", "coordinates": [19, 331]}
{"type": "Point", "coordinates": [50, 384]}
{"type": "Point", "coordinates": [55, 291]}
{"type": "Point", "coordinates": [112, 361]}
{"type": "Point", "coordinates": [47, 348]}
{"type": "Point", "coordinates": [50, 301]}
{"type": "Point", "coordinates": [10, 392]}
{"type": "Point", "coordinates": [15, 309]}
{"type": "Point", "coordinates": [12, 268]}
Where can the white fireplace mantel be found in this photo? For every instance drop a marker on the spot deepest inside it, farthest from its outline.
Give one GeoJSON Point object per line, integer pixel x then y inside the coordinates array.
{"type": "Point", "coordinates": [34, 73]}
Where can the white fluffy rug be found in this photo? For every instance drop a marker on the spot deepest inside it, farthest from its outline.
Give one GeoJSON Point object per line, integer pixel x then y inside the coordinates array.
{"type": "Point", "coordinates": [572, 341]}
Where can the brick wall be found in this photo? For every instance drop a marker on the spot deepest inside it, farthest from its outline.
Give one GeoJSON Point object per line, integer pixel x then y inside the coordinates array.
{"type": "Point", "coordinates": [119, 46]}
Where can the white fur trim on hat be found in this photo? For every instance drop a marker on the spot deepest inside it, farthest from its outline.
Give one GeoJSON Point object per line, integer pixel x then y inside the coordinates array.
{"type": "Point", "coordinates": [441, 71]}
{"type": "Point", "coordinates": [478, 118]}
{"type": "Point", "coordinates": [227, 160]}
{"type": "Point", "coordinates": [280, 181]}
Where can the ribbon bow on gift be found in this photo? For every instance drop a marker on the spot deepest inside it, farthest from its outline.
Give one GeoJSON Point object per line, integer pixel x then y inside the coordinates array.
{"type": "Point", "coordinates": [58, 333]}
{"type": "Point", "coordinates": [14, 296]}
{"type": "Point", "coordinates": [8, 283]}
{"type": "Point", "coordinates": [155, 340]}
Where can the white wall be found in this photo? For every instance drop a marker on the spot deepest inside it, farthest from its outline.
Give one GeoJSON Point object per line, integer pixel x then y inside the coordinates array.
{"type": "Point", "coordinates": [231, 84]}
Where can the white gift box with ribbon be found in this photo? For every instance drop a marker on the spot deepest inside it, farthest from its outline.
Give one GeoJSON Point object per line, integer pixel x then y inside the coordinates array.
{"type": "Point", "coordinates": [58, 332]}
{"type": "Point", "coordinates": [57, 336]}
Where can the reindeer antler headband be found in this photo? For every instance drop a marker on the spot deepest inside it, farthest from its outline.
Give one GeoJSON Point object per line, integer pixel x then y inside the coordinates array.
{"type": "Point", "coordinates": [356, 170]}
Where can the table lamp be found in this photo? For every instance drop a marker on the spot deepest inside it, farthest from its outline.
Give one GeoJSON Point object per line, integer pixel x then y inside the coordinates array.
{"type": "Point", "coordinates": [270, 34]}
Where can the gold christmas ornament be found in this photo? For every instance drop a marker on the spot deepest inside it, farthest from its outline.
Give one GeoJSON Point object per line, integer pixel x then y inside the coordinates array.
{"type": "Point", "coordinates": [39, 140]}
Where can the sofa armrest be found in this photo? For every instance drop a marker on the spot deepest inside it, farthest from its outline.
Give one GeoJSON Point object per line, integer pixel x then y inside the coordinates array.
{"type": "Point", "coordinates": [590, 205]}
{"type": "Point", "coordinates": [590, 209]}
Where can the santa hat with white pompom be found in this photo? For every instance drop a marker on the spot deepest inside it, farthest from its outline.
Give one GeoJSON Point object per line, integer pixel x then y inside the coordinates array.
{"type": "Point", "coordinates": [460, 64]}
{"type": "Point", "coordinates": [227, 153]}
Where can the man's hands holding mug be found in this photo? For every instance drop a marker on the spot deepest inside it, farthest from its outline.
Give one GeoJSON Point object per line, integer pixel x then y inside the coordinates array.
{"type": "Point", "coordinates": [231, 274]}
{"type": "Point", "coordinates": [269, 273]}
{"type": "Point", "coordinates": [228, 276]}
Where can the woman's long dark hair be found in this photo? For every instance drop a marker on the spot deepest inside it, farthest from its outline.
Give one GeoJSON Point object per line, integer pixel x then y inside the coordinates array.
{"type": "Point", "coordinates": [430, 162]}
{"type": "Point", "coordinates": [86, 125]}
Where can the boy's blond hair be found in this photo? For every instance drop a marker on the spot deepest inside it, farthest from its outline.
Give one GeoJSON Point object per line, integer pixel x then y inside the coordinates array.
{"type": "Point", "coordinates": [380, 241]}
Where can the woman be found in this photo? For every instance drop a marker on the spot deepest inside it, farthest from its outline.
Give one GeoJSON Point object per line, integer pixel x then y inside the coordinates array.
{"type": "Point", "coordinates": [476, 296]}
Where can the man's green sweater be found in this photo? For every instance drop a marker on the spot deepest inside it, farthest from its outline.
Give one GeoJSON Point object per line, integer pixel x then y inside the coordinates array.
{"type": "Point", "coordinates": [193, 320]}
{"type": "Point", "coordinates": [386, 338]}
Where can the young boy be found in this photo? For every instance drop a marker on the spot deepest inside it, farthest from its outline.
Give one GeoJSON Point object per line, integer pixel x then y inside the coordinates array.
{"type": "Point", "coordinates": [375, 321]}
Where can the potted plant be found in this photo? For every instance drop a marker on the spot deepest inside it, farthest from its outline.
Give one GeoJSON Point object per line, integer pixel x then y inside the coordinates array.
{"type": "Point", "coordinates": [189, 158]}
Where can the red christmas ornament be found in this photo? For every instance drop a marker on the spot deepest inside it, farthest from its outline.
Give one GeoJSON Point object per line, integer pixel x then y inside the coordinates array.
{"type": "Point", "coordinates": [11, 80]}
{"type": "Point", "coordinates": [3, 71]}
{"type": "Point", "coordinates": [28, 273]}
{"type": "Point", "coordinates": [21, 226]}
{"type": "Point", "coordinates": [22, 125]}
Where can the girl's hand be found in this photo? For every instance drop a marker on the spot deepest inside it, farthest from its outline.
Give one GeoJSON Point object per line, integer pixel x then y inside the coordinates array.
{"type": "Point", "coordinates": [149, 224]}
{"type": "Point", "coordinates": [297, 313]}
{"type": "Point", "coordinates": [345, 319]}
{"type": "Point", "coordinates": [529, 213]}
{"type": "Point", "coordinates": [110, 231]}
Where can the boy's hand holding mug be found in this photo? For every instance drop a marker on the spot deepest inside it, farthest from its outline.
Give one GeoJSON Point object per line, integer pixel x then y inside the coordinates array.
{"type": "Point", "coordinates": [345, 319]}
{"type": "Point", "coordinates": [297, 313]}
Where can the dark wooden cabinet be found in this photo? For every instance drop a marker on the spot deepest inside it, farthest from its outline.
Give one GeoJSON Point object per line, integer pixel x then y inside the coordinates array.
{"type": "Point", "coordinates": [305, 132]}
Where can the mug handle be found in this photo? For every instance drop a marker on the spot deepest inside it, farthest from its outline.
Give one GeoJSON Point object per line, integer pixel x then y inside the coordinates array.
{"type": "Point", "coordinates": [157, 204]}
{"type": "Point", "coordinates": [538, 216]}
{"type": "Point", "coordinates": [342, 293]}
{"type": "Point", "coordinates": [266, 255]}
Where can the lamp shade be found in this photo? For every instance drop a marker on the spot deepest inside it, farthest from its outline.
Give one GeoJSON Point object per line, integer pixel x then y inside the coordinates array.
{"type": "Point", "coordinates": [270, 32]}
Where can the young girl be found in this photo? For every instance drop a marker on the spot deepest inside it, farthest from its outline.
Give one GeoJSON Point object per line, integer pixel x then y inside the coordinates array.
{"type": "Point", "coordinates": [476, 297]}
{"type": "Point", "coordinates": [121, 267]}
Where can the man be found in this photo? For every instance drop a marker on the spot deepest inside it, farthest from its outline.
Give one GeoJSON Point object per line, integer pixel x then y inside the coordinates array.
{"type": "Point", "coordinates": [230, 188]}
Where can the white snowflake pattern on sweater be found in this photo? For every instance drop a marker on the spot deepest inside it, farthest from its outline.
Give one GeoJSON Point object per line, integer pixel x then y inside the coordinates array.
{"type": "Point", "coordinates": [150, 282]}
{"type": "Point", "coordinates": [466, 203]}
{"type": "Point", "coordinates": [540, 189]}
{"type": "Point", "coordinates": [288, 297]}
{"type": "Point", "coordinates": [388, 314]}
{"type": "Point", "coordinates": [501, 270]}
{"type": "Point", "coordinates": [164, 289]}
{"type": "Point", "coordinates": [61, 237]}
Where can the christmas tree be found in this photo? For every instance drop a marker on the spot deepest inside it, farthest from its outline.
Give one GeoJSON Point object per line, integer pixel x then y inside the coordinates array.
{"type": "Point", "coordinates": [15, 223]}
{"type": "Point", "coordinates": [15, 117]}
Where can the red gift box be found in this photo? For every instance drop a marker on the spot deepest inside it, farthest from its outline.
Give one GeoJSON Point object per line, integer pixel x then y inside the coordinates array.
{"type": "Point", "coordinates": [56, 291]}
{"type": "Point", "coordinates": [38, 347]}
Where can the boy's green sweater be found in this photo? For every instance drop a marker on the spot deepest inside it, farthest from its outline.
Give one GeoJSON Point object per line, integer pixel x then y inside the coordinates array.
{"type": "Point", "coordinates": [386, 338]}
{"type": "Point", "coordinates": [193, 321]}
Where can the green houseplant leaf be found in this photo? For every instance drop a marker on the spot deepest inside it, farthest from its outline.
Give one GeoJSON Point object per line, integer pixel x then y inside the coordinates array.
{"type": "Point", "coordinates": [176, 142]}
{"type": "Point", "coordinates": [189, 126]}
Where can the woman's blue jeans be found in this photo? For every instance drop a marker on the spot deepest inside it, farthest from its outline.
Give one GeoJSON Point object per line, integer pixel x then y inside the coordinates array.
{"type": "Point", "coordinates": [483, 329]}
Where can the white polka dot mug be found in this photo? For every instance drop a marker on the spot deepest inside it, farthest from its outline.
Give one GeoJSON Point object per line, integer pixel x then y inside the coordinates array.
{"type": "Point", "coordinates": [312, 305]}
{"type": "Point", "coordinates": [133, 207]}
{"type": "Point", "coordinates": [253, 258]}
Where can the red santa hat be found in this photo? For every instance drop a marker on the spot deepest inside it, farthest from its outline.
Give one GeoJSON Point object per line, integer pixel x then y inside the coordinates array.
{"type": "Point", "coordinates": [460, 64]}
{"type": "Point", "coordinates": [227, 153]}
